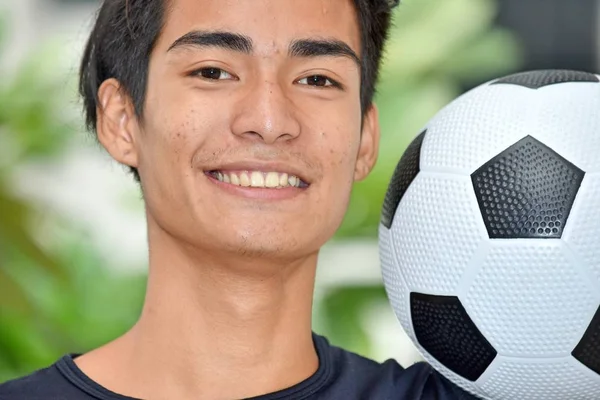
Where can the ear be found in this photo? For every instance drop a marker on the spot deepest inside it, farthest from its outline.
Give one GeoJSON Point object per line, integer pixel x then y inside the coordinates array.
{"type": "Point", "coordinates": [117, 123]}
{"type": "Point", "coordinates": [369, 144]}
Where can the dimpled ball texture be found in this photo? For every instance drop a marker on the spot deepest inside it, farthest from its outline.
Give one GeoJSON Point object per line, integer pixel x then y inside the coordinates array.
{"type": "Point", "coordinates": [490, 238]}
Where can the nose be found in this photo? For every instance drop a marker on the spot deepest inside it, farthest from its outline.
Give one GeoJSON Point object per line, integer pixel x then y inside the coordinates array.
{"type": "Point", "coordinates": [266, 113]}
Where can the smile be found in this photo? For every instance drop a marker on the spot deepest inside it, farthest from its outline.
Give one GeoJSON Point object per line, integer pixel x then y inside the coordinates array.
{"type": "Point", "coordinates": [258, 179]}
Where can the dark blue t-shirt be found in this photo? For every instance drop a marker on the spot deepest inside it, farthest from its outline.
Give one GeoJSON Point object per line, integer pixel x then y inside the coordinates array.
{"type": "Point", "coordinates": [341, 375]}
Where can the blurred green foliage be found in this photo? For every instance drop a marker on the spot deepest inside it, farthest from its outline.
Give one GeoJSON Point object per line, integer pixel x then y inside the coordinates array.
{"type": "Point", "coordinates": [55, 294]}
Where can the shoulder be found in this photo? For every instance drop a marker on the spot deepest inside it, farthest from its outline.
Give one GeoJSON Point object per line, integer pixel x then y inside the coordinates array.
{"type": "Point", "coordinates": [47, 384]}
{"type": "Point", "coordinates": [31, 386]}
{"type": "Point", "coordinates": [367, 378]}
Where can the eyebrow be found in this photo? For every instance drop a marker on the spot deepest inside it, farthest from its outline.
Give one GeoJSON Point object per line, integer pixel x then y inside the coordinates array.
{"type": "Point", "coordinates": [323, 47]}
{"type": "Point", "coordinates": [244, 44]}
{"type": "Point", "coordinates": [224, 40]}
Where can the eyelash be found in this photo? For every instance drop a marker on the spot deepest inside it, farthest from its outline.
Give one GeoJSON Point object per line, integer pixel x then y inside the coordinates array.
{"type": "Point", "coordinates": [331, 82]}
{"type": "Point", "coordinates": [198, 73]}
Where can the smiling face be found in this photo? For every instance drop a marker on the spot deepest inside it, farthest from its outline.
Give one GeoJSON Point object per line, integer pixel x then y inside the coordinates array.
{"type": "Point", "coordinates": [251, 137]}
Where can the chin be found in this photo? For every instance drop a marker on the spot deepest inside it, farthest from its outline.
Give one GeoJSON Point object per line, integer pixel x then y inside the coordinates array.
{"type": "Point", "coordinates": [281, 246]}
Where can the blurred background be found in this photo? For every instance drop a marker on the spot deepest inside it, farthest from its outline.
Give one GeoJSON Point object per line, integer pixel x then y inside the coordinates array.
{"type": "Point", "coordinates": [72, 231]}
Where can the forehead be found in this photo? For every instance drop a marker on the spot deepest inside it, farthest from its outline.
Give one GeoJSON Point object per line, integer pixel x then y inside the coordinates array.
{"type": "Point", "coordinates": [271, 24]}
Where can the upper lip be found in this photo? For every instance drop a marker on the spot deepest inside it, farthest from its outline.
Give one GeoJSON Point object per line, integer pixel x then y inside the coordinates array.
{"type": "Point", "coordinates": [262, 166]}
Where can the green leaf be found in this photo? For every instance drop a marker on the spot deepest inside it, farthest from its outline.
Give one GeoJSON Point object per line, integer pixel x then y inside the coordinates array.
{"type": "Point", "coordinates": [12, 295]}
{"type": "Point", "coordinates": [14, 233]}
{"type": "Point", "coordinates": [342, 309]}
{"type": "Point", "coordinates": [22, 348]}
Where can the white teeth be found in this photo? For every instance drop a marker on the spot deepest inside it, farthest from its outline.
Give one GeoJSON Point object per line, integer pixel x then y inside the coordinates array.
{"type": "Point", "coordinates": [283, 180]}
{"type": "Point", "coordinates": [292, 180]}
{"type": "Point", "coordinates": [258, 179]}
{"type": "Point", "coordinates": [272, 180]}
{"type": "Point", "coordinates": [245, 179]}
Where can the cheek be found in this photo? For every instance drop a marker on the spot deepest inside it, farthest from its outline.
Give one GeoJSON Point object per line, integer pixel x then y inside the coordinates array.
{"type": "Point", "coordinates": [175, 136]}
{"type": "Point", "coordinates": [338, 135]}
{"type": "Point", "coordinates": [170, 139]}
{"type": "Point", "coordinates": [178, 122]}
{"type": "Point", "coordinates": [338, 148]}
{"type": "Point", "coordinates": [340, 152]}
{"type": "Point", "coordinates": [341, 145]}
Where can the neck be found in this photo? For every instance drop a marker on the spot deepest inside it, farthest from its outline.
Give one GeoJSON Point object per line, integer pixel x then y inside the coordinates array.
{"type": "Point", "coordinates": [215, 329]}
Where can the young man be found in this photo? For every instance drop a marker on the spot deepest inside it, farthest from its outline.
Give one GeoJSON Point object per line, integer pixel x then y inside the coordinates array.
{"type": "Point", "coordinates": [246, 123]}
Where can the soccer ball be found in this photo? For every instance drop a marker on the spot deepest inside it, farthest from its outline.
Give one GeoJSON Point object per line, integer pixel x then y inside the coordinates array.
{"type": "Point", "coordinates": [490, 238]}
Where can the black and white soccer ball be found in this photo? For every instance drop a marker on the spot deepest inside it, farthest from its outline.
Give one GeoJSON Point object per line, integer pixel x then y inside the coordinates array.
{"type": "Point", "coordinates": [490, 238]}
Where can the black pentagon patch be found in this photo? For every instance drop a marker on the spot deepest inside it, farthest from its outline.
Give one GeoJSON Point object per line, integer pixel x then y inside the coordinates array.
{"type": "Point", "coordinates": [587, 350]}
{"type": "Point", "coordinates": [405, 172]}
{"type": "Point", "coordinates": [541, 78]}
{"type": "Point", "coordinates": [446, 331]}
{"type": "Point", "coordinates": [526, 191]}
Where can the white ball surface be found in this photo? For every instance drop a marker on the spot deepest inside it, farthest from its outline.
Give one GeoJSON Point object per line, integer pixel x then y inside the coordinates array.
{"type": "Point", "coordinates": [490, 238]}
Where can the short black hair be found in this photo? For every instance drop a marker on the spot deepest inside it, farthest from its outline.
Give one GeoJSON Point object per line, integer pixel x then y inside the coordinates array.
{"type": "Point", "coordinates": [126, 31]}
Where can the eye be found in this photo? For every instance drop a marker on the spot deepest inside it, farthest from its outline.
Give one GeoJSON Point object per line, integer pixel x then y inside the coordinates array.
{"type": "Point", "coordinates": [212, 73]}
{"type": "Point", "coordinates": [318, 80]}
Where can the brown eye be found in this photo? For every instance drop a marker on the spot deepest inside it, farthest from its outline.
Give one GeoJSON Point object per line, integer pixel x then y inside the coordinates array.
{"type": "Point", "coordinates": [318, 80]}
{"type": "Point", "coordinates": [212, 73]}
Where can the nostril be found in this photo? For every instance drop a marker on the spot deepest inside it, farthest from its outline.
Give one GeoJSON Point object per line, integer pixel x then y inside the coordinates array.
{"type": "Point", "coordinates": [252, 135]}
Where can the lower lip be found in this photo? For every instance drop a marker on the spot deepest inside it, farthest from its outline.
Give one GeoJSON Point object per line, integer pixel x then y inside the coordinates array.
{"type": "Point", "coordinates": [258, 193]}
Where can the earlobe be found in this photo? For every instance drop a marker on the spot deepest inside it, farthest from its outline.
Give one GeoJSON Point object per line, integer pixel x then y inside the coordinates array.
{"type": "Point", "coordinates": [116, 123]}
{"type": "Point", "coordinates": [369, 144]}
